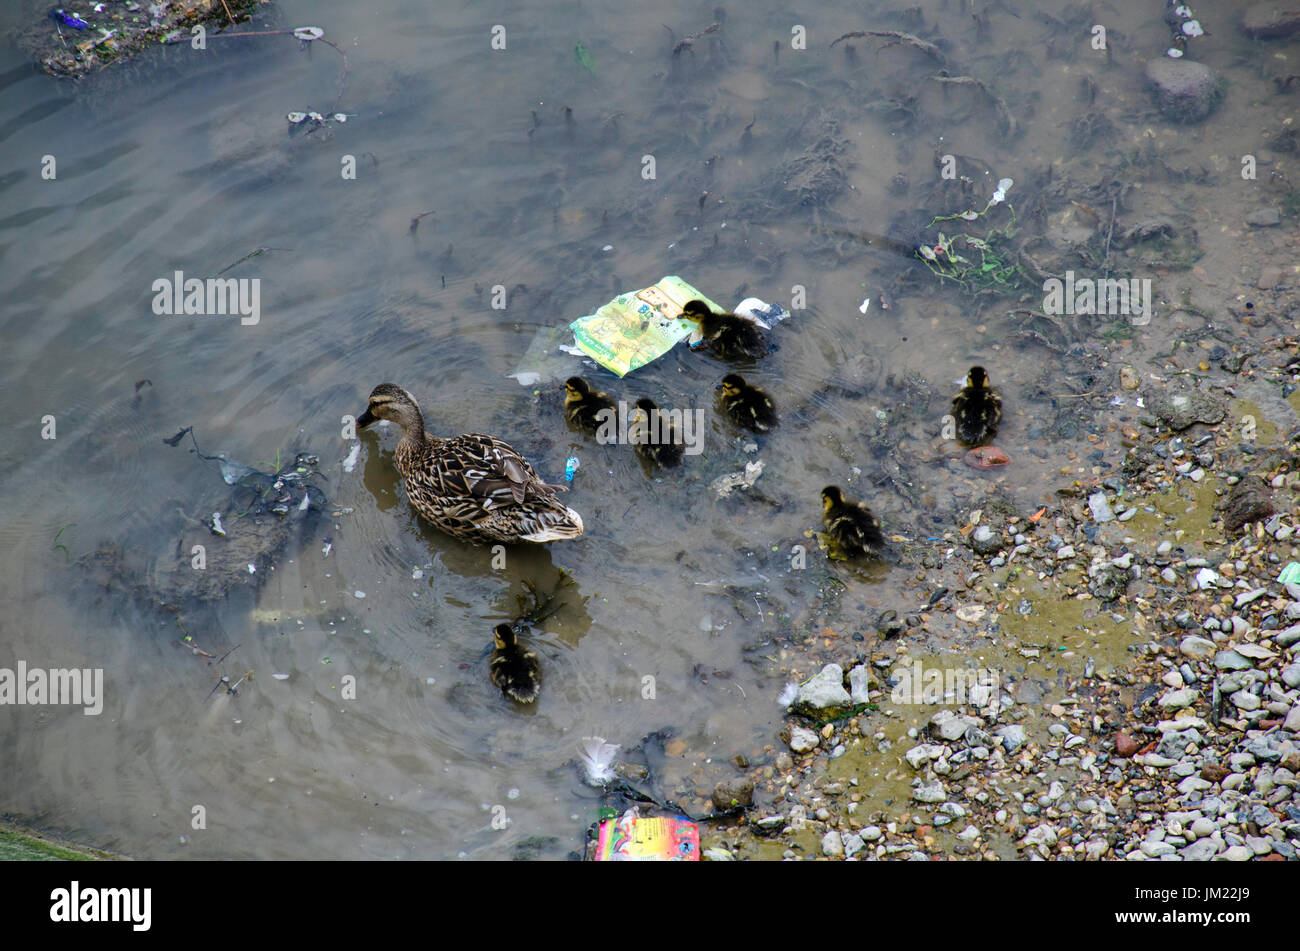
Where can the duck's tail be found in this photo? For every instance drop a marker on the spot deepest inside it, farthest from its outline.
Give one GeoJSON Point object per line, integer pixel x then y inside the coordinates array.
{"type": "Point", "coordinates": [554, 525]}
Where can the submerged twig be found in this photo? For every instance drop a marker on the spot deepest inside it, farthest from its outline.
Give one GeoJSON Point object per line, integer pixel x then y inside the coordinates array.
{"type": "Point", "coordinates": [250, 254]}
{"type": "Point", "coordinates": [689, 40]}
{"type": "Point", "coordinates": [1105, 258]}
{"type": "Point", "coordinates": [925, 46]}
{"type": "Point", "coordinates": [1005, 118]}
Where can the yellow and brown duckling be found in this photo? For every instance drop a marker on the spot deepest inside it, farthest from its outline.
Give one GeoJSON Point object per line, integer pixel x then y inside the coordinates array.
{"type": "Point", "coordinates": [977, 409]}
{"type": "Point", "coordinates": [584, 404]}
{"type": "Point", "coordinates": [849, 523]}
{"type": "Point", "coordinates": [512, 668]}
{"type": "Point", "coordinates": [474, 486]}
{"type": "Point", "coordinates": [654, 436]}
{"type": "Point", "coordinates": [747, 405]}
{"type": "Point", "coordinates": [727, 335]}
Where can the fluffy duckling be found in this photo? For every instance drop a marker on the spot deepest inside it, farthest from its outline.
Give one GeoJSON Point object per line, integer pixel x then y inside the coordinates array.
{"type": "Point", "coordinates": [654, 436]}
{"type": "Point", "coordinates": [726, 335]}
{"type": "Point", "coordinates": [849, 523]}
{"type": "Point", "coordinates": [513, 668]}
{"type": "Point", "coordinates": [977, 409]}
{"type": "Point", "coordinates": [746, 405]}
{"type": "Point", "coordinates": [583, 404]}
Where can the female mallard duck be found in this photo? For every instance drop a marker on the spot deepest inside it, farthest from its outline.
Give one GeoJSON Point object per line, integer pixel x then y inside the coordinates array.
{"type": "Point", "coordinates": [654, 436]}
{"type": "Point", "coordinates": [977, 409]}
{"type": "Point", "coordinates": [584, 406]}
{"type": "Point", "coordinates": [472, 486]}
{"type": "Point", "coordinates": [849, 523]}
{"type": "Point", "coordinates": [746, 405]}
{"type": "Point", "coordinates": [513, 668]}
{"type": "Point", "coordinates": [726, 335]}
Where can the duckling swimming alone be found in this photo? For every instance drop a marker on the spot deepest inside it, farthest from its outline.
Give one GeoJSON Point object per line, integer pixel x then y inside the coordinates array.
{"type": "Point", "coordinates": [513, 668]}
{"type": "Point", "coordinates": [977, 409]}
{"type": "Point", "coordinates": [849, 523]}
{"type": "Point", "coordinates": [726, 335]}
{"type": "Point", "coordinates": [473, 486]}
{"type": "Point", "coordinates": [654, 435]}
{"type": "Point", "coordinates": [746, 405]}
{"type": "Point", "coordinates": [583, 405]}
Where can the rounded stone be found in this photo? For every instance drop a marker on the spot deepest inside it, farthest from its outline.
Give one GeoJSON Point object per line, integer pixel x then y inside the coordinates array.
{"type": "Point", "coordinates": [1185, 91]}
{"type": "Point", "coordinates": [1271, 20]}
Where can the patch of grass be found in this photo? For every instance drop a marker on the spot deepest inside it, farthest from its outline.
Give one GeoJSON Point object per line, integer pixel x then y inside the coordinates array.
{"type": "Point", "coordinates": [23, 845]}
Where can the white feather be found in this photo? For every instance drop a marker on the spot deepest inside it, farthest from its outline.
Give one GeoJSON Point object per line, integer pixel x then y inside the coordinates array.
{"type": "Point", "coordinates": [598, 758]}
{"type": "Point", "coordinates": [788, 695]}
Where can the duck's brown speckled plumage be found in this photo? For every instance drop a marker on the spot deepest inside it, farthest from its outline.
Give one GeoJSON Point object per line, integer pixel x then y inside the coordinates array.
{"type": "Point", "coordinates": [473, 486]}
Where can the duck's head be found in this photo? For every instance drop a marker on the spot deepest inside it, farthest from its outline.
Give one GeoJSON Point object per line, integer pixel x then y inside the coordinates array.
{"type": "Point", "coordinates": [390, 401]}
{"type": "Point", "coordinates": [977, 378]}
{"type": "Point", "coordinates": [732, 384]}
{"type": "Point", "coordinates": [695, 309]}
{"type": "Point", "coordinates": [831, 496]}
{"type": "Point", "coordinates": [645, 407]}
{"type": "Point", "coordinates": [503, 636]}
{"type": "Point", "coordinates": [575, 388]}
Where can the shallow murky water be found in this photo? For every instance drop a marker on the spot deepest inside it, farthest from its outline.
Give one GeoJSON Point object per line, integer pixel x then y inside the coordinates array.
{"type": "Point", "coordinates": [182, 161]}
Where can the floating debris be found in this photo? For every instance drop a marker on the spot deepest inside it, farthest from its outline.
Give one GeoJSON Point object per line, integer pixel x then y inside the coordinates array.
{"type": "Point", "coordinates": [987, 457]}
{"type": "Point", "coordinates": [124, 32]}
{"type": "Point", "coordinates": [296, 117]}
{"type": "Point", "coordinates": [215, 526]}
{"type": "Point", "coordinates": [598, 758]}
{"type": "Point", "coordinates": [723, 486]}
{"type": "Point", "coordinates": [308, 33]}
{"type": "Point", "coordinates": [570, 467]}
{"type": "Point", "coordinates": [59, 15]}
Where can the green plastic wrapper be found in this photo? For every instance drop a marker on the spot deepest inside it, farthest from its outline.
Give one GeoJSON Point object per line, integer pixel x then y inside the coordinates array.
{"type": "Point", "coordinates": [635, 328]}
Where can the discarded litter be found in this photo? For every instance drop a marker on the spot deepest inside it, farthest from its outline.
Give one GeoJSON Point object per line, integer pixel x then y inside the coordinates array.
{"type": "Point", "coordinates": [634, 838]}
{"type": "Point", "coordinates": [630, 331]}
{"type": "Point", "coordinates": [1290, 574]}
{"type": "Point", "coordinates": [59, 15]}
{"type": "Point", "coordinates": [570, 467]}
{"type": "Point", "coordinates": [634, 329]}
{"type": "Point", "coordinates": [723, 486]}
{"type": "Point", "coordinates": [597, 758]}
{"type": "Point", "coordinates": [549, 357]}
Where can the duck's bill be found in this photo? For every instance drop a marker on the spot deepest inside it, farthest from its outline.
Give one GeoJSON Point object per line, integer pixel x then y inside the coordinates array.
{"type": "Point", "coordinates": [366, 418]}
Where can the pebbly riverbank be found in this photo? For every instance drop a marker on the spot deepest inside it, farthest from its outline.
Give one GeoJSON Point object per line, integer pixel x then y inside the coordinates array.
{"type": "Point", "coordinates": [1142, 643]}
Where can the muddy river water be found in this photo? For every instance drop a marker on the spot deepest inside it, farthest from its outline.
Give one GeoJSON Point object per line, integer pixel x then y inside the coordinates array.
{"type": "Point", "coordinates": [783, 167]}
